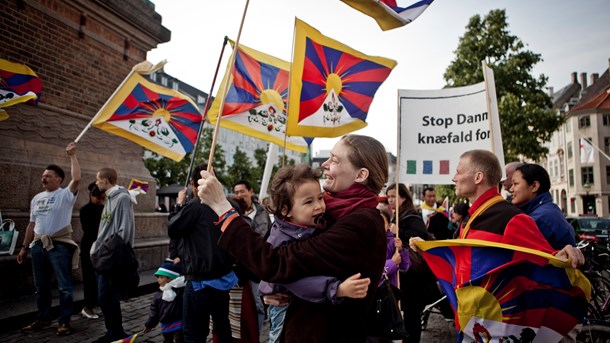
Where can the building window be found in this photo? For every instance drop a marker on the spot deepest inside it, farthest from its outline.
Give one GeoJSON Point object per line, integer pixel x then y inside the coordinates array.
{"type": "Point", "coordinates": [164, 81]}
{"type": "Point", "coordinates": [153, 77]}
{"type": "Point", "coordinates": [556, 168]}
{"type": "Point", "coordinates": [175, 85]}
{"type": "Point", "coordinates": [584, 121]}
{"type": "Point", "coordinates": [608, 175]}
{"type": "Point", "coordinates": [200, 99]}
{"type": "Point", "coordinates": [607, 145]}
{"type": "Point", "coordinates": [568, 125]}
{"type": "Point", "coordinates": [606, 119]}
{"type": "Point", "coordinates": [572, 206]}
{"type": "Point", "coordinates": [571, 177]}
{"type": "Point", "coordinates": [570, 152]}
{"type": "Point", "coordinates": [587, 175]}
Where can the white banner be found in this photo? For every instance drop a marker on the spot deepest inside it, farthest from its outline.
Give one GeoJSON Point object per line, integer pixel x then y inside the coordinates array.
{"type": "Point", "coordinates": [437, 126]}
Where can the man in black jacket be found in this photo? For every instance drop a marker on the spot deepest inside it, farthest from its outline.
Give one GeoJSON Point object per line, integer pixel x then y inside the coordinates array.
{"type": "Point", "coordinates": [207, 267]}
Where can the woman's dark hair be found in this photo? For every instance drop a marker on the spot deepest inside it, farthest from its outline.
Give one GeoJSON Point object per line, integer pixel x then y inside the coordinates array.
{"type": "Point", "coordinates": [404, 193]}
{"type": "Point", "coordinates": [461, 208]}
{"type": "Point", "coordinates": [94, 191]}
{"type": "Point", "coordinates": [533, 172]}
{"type": "Point", "coordinates": [386, 215]}
{"type": "Point", "coordinates": [284, 185]}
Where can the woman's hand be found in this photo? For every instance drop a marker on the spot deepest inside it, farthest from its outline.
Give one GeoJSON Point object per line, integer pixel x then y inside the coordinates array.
{"type": "Point", "coordinates": [412, 241]}
{"type": "Point", "coordinates": [211, 193]}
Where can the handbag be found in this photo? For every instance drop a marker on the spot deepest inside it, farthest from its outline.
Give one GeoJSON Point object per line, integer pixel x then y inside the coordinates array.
{"type": "Point", "coordinates": [387, 322]}
{"type": "Point", "coordinates": [8, 236]}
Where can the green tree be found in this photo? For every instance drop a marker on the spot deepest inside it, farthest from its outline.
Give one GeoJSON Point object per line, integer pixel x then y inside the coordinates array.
{"type": "Point", "coordinates": [241, 169]}
{"type": "Point", "coordinates": [168, 172]}
{"type": "Point", "coordinates": [525, 116]}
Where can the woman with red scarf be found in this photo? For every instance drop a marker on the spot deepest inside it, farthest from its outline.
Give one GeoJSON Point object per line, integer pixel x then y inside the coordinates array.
{"type": "Point", "coordinates": [353, 242]}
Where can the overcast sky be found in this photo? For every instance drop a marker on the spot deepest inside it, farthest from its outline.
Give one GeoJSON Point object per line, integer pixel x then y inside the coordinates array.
{"type": "Point", "coordinates": [570, 36]}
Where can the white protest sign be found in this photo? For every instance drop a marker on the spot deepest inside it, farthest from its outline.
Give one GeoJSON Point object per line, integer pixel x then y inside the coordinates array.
{"type": "Point", "coordinates": [437, 126]}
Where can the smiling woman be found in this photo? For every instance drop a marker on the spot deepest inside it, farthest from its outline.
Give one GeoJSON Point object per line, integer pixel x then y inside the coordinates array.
{"type": "Point", "coordinates": [352, 242]}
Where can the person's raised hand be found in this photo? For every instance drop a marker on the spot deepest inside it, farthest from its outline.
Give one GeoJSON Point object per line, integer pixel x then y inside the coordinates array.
{"type": "Point", "coordinates": [211, 193]}
{"type": "Point", "coordinates": [71, 149]}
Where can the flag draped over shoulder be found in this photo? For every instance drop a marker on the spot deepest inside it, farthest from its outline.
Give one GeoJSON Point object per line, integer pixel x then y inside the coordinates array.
{"type": "Point", "coordinates": [160, 119]}
{"type": "Point", "coordinates": [255, 104]}
{"type": "Point", "coordinates": [18, 83]}
{"type": "Point", "coordinates": [505, 291]}
{"type": "Point", "coordinates": [390, 14]}
{"type": "Point", "coordinates": [587, 154]}
{"type": "Point", "coordinates": [331, 85]}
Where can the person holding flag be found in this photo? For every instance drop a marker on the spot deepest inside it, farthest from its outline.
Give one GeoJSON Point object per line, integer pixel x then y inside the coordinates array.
{"type": "Point", "coordinates": [496, 223]}
{"type": "Point", "coordinates": [354, 241]}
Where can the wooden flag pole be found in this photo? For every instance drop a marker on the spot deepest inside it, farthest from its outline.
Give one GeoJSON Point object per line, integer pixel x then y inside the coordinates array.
{"type": "Point", "coordinates": [488, 104]}
{"type": "Point", "coordinates": [142, 68]}
{"type": "Point", "coordinates": [397, 178]}
{"type": "Point", "coordinates": [225, 90]}
{"type": "Point", "coordinates": [206, 108]}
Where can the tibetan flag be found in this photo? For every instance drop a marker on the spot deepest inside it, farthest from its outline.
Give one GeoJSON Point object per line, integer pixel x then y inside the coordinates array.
{"type": "Point", "coordinates": [130, 339]}
{"type": "Point", "coordinates": [160, 119]}
{"type": "Point", "coordinates": [331, 85]}
{"type": "Point", "coordinates": [256, 99]}
{"type": "Point", "coordinates": [390, 14]}
{"type": "Point", "coordinates": [18, 83]}
{"type": "Point", "coordinates": [142, 186]}
{"type": "Point", "coordinates": [500, 291]}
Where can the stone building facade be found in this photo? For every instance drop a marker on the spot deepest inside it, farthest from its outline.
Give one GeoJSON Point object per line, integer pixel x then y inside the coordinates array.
{"type": "Point", "coordinates": [81, 50]}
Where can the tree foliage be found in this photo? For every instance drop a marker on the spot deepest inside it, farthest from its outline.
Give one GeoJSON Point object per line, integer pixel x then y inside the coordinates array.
{"type": "Point", "coordinates": [526, 118]}
{"type": "Point", "coordinates": [168, 172]}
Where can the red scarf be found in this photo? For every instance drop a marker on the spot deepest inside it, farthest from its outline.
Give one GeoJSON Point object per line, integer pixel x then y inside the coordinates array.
{"type": "Point", "coordinates": [356, 196]}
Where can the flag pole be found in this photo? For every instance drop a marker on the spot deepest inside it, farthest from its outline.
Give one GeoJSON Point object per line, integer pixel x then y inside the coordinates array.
{"type": "Point", "coordinates": [225, 90]}
{"type": "Point", "coordinates": [397, 178]}
{"type": "Point", "coordinates": [142, 68]}
{"type": "Point", "coordinates": [271, 157]}
{"type": "Point", "coordinates": [488, 106]}
{"type": "Point", "coordinates": [206, 108]}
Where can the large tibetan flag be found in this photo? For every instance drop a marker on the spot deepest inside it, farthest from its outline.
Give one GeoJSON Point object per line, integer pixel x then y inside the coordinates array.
{"type": "Point", "coordinates": [255, 104]}
{"type": "Point", "coordinates": [331, 85]}
{"type": "Point", "coordinates": [160, 119]}
{"type": "Point", "coordinates": [390, 14]}
{"type": "Point", "coordinates": [18, 83]}
{"type": "Point", "coordinates": [500, 291]}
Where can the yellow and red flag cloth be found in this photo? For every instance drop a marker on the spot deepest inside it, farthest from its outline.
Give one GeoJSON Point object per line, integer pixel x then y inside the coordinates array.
{"type": "Point", "coordinates": [331, 85]}
{"type": "Point", "coordinates": [130, 339]}
{"type": "Point", "coordinates": [142, 186]}
{"type": "Point", "coordinates": [500, 291]}
{"type": "Point", "coordinates": [160, 119]}
{"type": "Point", "coordinates": [255, 104]}
{"type": "Point", "coordinates": [18, 83]}
{"type": "Point", "coordinates": [390, 14]}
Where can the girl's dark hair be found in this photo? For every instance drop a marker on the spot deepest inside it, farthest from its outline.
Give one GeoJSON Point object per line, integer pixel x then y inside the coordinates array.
{"type": "Point", "coordinates": [533, 172]}
{"type": "Point", "coordinates": [94, 191]}
{"type": "Point", "coordinates": [404, 193]}
{"type": "Point", "coordinates": [461, 208]}
{"type": "Point", "coordinates": [284, 185]}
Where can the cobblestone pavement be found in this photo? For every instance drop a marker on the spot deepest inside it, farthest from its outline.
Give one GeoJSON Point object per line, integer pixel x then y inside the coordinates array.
{"type": "Point", "coordinates": [135, 313]}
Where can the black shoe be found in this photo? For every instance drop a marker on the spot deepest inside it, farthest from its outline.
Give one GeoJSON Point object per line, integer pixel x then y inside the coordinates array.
{"type": "Point", "coordinates": [36, 326]}
{"type": "Point", "coordinates": [63, 329]}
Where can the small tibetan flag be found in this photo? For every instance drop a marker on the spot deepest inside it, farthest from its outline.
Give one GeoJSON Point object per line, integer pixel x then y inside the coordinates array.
{"type": "Point", "coordinates": [130, 339]}
{"type": "Point", "coordinates": [142, 186]}
{"type": "Point", "coordinates": [18, 83]}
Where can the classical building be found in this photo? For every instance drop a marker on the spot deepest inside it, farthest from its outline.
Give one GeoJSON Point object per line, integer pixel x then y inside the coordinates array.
{"type": "Point", "coordinates": [81, 50]}
{"type": "Point", "coordinates": [578, 186]}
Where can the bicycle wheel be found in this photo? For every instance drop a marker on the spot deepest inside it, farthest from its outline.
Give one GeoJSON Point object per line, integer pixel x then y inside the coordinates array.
{"type": "Point", "coordinates": [594, 333]}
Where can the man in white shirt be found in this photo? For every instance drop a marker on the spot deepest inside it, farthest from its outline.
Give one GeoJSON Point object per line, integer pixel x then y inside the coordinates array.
{"type": "Point", "coordinates": [49, 236]}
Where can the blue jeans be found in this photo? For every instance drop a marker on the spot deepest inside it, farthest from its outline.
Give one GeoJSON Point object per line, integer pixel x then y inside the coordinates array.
{"type": "Point", "coordinates": [260, 307]}
{"type": "Point", "coordinates": [109, 299]}
{"type": "Point", "coordinates": [276, 321]}
{"type": "Point", "coordinates": [197, 309]}
{"type": "Point", "coordinates": [59, 261]}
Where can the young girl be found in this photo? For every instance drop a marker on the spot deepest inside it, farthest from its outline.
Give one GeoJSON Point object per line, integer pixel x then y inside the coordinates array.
{"type": "Point", "coordinates": [297, 204]}
{"type": "Point", "coordinates": [397, 258]}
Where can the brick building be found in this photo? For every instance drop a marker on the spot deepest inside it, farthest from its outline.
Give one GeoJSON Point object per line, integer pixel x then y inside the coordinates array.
{"type": "Point", "coordinates": [81, 50]}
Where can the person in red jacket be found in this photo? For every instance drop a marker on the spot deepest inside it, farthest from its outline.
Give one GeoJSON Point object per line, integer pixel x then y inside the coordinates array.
{"type": "Point", "coordinates": [354, 241]}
